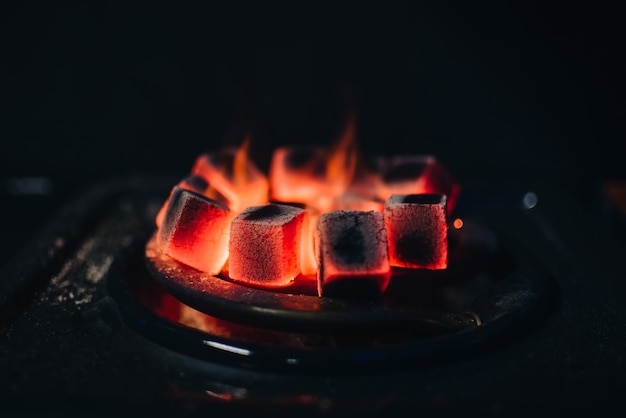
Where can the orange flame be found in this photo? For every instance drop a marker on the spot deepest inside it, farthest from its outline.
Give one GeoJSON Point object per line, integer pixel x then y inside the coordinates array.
{"type": "Point", "coordinates": [234, 176]}
{"type": "Point", "coordinates": [320, 180]}
{"type": "Point", "coordinates": [341, 164]}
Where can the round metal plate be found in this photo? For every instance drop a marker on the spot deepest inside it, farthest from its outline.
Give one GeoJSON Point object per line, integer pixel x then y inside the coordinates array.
{"type": "Point", "coordinates": [489, 290]}
{"type": "Point", "coordinates": [422, 299]}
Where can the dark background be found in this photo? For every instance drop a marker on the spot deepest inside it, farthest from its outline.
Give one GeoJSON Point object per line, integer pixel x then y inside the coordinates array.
{"type": "Point", "coordinates": [512, 96]}
{"type": "Point", "coordinates": [507, 93]}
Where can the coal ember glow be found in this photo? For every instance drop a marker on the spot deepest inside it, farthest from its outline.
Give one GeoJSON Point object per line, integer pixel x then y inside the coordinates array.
{"type": "Point", "coordinates": [352, 251]}
{"type": "Point", "coordinates": [324, 215]}
{"type": "Point", "coordinates": [418, 230]}
{"type": "Point", "coordinates": [265, 243]}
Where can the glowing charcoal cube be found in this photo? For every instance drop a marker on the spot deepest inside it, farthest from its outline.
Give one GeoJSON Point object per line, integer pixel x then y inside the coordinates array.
{"type": "Point", "coordinates": [417, 231]}
{"type": "Point", "coordinates": [352, 254]}
{"type": "Point", "coordinates": [417, 174]}
{"type": "Point", "coordinates": [308, 263]}
{"type": "Point", "coordinates": [192, 183]}
{"type": "Point", "coordinates": [195, 231]}
{"type": "Point", "coordinates": [265, 245]}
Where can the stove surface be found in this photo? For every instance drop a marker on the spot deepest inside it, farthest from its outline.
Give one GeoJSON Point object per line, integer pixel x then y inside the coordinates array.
{"type": "Point", "coordinates": [67, 343]}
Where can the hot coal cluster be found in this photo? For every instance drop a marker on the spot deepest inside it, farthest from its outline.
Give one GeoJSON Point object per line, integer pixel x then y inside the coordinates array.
{"type": "Point", "coordinates": [320, 214]}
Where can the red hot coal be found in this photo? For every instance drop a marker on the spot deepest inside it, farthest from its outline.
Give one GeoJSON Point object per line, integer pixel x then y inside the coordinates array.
{"type": "Point", "coordinates": [320, 214]}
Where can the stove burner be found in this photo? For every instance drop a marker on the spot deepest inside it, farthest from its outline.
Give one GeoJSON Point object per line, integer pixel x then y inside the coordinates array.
{"type": "Point", "coordinates": [488, 290]}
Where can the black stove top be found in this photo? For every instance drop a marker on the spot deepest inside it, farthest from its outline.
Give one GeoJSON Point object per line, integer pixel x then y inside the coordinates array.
{"type": "Point", "coordinates": [75, 336]}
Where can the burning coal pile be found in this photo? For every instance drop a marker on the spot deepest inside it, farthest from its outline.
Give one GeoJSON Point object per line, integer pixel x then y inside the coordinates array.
{"type": "Point", "coordinates": [319, 214]}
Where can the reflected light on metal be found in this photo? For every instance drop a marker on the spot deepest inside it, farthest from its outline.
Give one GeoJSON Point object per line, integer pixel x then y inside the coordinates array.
{"type": "Point", "coordinates": [529, 200]}
{"type": "Point", "coordinates": [228, 347]}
